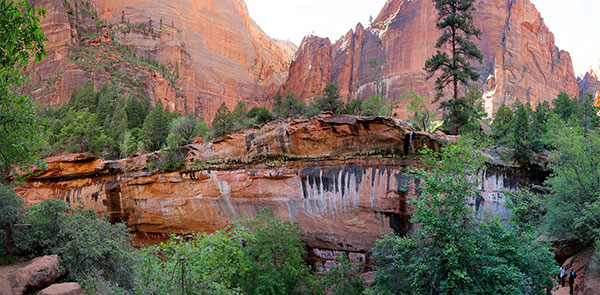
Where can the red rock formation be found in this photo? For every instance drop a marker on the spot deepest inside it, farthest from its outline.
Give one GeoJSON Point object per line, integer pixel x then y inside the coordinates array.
{"type": "Point", "coordinates": [520, 58]}
{"type": "Point", "coordinates": [218, 53]}
{"type": "Point", "coordinates": [341, 178]}
{"type": "Point", "coordinates": [590, 84]}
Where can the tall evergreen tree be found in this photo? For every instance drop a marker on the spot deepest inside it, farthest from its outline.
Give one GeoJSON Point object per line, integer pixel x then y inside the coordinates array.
{"type": "Point", "coordinates": [222, 122]}
{"type": "Point", "coordinates": [137, 110]}
{"type": "Point", "coordinates": [521, 132]}
{"type": "Point", "coordinates": [539, 126]}
{"type": "Point", "coordinates": [84, 98]}
{"type": "Point", "coordinates": [330, 100]}
{"type": "Point", "coordinates": [155, 130]}
{"type": "Point", "coordinates": [456, 22]}
{"type": "Point", "coordinates": [105, 108]}
{"type": "Point", "coordinates": [502, 125]}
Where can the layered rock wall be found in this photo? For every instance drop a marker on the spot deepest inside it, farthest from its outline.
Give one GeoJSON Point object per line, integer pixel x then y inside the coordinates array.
{"type": "Point", "coordinates": [590, 84]}
{"type": "Point", "coordinates": [190, 55]}
{"type": "Point", "coordinates": [520, 58]}
{"type": "Point", "coordinates": [343, 179]}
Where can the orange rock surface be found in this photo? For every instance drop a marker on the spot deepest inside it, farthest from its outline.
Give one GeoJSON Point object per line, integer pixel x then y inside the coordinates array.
{"type": "Point", "coordinates": [520, 58]}
{"type": "Point", "coordinates": [217, 51]}
{"type": "Point", "coordinates": [590, 84]}
{"type": "Point", "coordinates": [342, 178]}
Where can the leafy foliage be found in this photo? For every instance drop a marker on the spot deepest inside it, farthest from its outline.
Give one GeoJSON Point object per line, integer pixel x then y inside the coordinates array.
{"type": "Point", "coordinates": [89, 246]}
{"type": "Point", "coordinates": [419, 115]}
{"type": "Point", "coordinates": [452, 253]}
{"type": "Point", "coordinates": [329, 101]}
{"type": "Point", "coordinates": [273, 258]}
{"type": "Point", "coordinates": [11, 210]}
{"type": "Point", "coordinates": [344, 277]}
{"type": "Point", "coordinates": [22, 130]}
{"type": "Point", "coordinates": [288, 106]}
{"type": "Point", "coordinates": [203, 264]}
{"type": "Point", "coordinates": [462, 115]}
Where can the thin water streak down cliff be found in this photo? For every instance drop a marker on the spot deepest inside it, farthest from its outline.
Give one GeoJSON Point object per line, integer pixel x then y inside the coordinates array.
{"type": "Point", "coordinates": [342, 178]}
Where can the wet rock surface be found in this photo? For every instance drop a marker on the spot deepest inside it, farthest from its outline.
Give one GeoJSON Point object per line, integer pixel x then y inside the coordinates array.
{"type": "Point", "coordinates": [343, 179]}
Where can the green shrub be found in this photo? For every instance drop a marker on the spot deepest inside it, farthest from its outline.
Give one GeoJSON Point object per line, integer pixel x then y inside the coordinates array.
{"type": "Point", "coordinates": [202, 264]}
{"type": "Point", "coordinates": [11, 211]}
{"type": "Point", "coordinates": [91, 246]}
{"type": "Point", "coordinates": [273, 258]}
{"type": "Point", "coordinates": [344, 278]}
{"type": "Point", "coordinates": [46, 219]}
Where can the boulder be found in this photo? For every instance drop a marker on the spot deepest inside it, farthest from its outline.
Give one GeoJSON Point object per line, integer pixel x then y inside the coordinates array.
{"type": "Point", "coordinates": [62, 289]}
{"type": "Point", "coordinates": [37, 274]}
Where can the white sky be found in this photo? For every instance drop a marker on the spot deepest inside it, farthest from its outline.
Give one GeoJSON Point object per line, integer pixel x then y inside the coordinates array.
{"type": "Point", "coordinates": [575, 23]}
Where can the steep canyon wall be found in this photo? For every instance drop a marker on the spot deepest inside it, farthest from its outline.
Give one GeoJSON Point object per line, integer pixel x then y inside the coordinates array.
{"type": "Point", "coordinates": [189, 55]}
{"type": "Point", "coordinates": [520, 58]}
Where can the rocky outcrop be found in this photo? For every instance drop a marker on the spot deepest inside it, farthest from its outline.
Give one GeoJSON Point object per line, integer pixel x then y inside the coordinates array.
{"type": "Point", "coordinates": [520, 58]}
{"type": "Point", "coordinates": [342, 178]}
{"type": "Point", "coordinates": [190, 55]}
{"type": "Point", "coordinates": [590, 84]}
{"type": "Point", "coordinates": [36, 274]}
{"type": "Point", "coordinates": [62, 289]}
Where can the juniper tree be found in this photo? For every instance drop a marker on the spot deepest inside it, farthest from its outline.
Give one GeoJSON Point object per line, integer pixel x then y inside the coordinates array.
{"type": "Point", "coordinates": [454, 48]}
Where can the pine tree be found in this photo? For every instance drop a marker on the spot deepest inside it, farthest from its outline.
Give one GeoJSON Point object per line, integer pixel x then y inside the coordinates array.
{"type": "Point", "coordinates": [456, 22]}
{"type": "Point", "coordinates": [521, 132]}
{"type": "Point", "coordinates": [330, 100]}
{"type": "Point", "coordinates": [239, 116]}
{"type": "Point", "coordinates": [539, 126]}
{"type": "Point", "coordinates": [222, 122]}
{"type": "Point", "coordinates": [137, 110]}
{"type": "Point", "coordinates": [155, 130]}
{"type": "Point", "coordinates": [84, 98]}
{"type": "Point", "coordinates": [105, 106]}
{"type": "Point", "coordinates": [502, 125]}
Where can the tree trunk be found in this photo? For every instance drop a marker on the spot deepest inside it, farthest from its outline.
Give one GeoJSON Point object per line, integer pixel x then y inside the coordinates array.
{"type": "Point", "coordinates": [8, 241]}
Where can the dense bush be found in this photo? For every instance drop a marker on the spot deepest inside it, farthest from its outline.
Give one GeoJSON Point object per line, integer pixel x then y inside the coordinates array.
{"type": "Point", "coordinates": [273, 258]}
{"type": "Point", "coordinates": [11, 210]}
{"type": "Point", "coordinates": [90, 247]}
{"type": "Point", "coordinates": [451, 252]}
{"type": "Point", "coordinates": [202, 264]}
{"type": "Point", "coordinates": [344, 278]}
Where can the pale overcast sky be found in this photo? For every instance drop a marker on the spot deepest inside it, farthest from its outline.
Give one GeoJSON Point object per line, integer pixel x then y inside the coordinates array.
{"type": "Point", "coordinates": [575, 23]}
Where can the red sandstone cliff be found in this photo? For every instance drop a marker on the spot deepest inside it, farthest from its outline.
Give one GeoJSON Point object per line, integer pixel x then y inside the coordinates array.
{"type": "Point", "coordinates": [590, 84]}
{"type": "Point", "coordinates": [520, 58]}
{"type": "Point", "coordinates": [343, 179]}
{"type": "Point", "coordinates": [190, 54]}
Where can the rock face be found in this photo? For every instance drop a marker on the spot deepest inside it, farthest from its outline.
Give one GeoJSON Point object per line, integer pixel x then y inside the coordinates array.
{"type": "Point", "coordinates": [343, 179]}
{"type": "Point", "coordinates": [62, 289]}
{"type": "Point", "coordinates": [590, 84]}
{"type": "Point", "coordinates": [38, 273]}
{"type": "Point", "coordinates": [191, 55]}
{"type": "Point", "coordinates": [520, 58]}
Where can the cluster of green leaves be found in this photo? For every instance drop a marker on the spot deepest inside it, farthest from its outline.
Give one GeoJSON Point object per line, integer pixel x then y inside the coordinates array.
{"type": "Point", "coordinates": [21, 129]}
{"type": "Point", "coordinates": [227, 121]}
{"type": "Point", "coordinates": [420, 115]}
{"type": "Point", "coordinates": [451, 252]}
{"type": "Point", "coordinates": [202, 264]}
{"type": "Point", "coordinates": [88, 246]}
{"type": "Point", "coordinates": [528, 130]}
{"type": "Point", "coordinates": [264, 257]}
